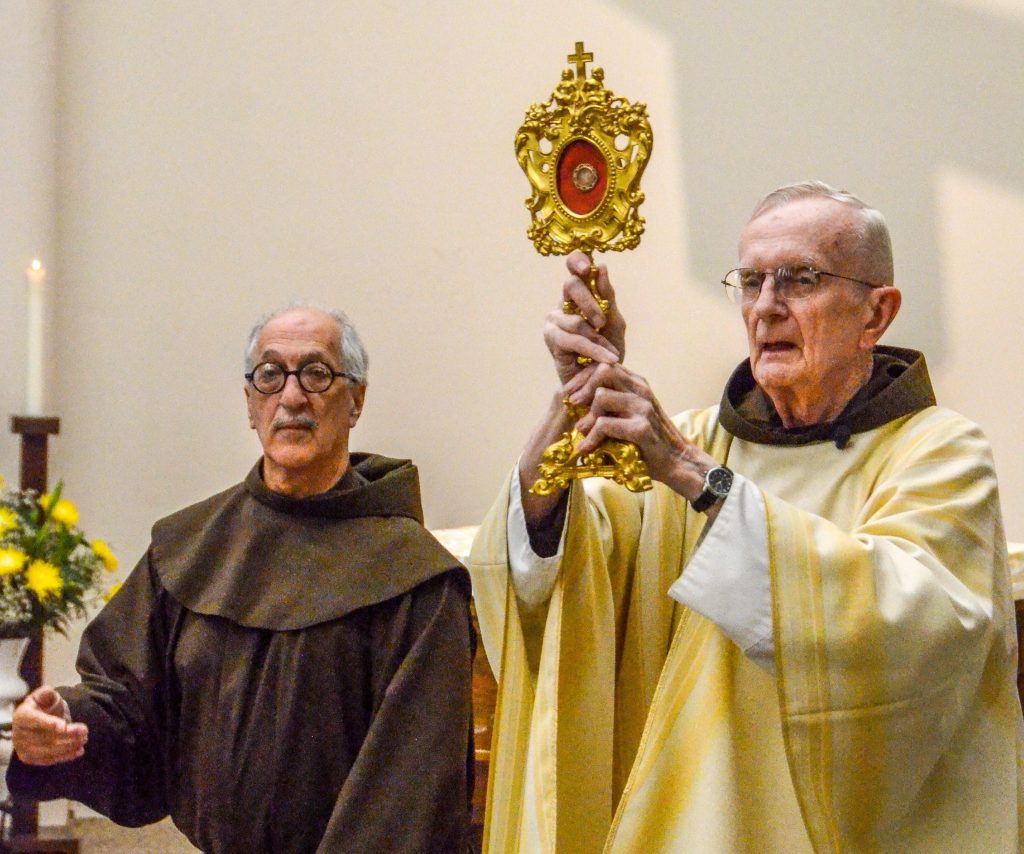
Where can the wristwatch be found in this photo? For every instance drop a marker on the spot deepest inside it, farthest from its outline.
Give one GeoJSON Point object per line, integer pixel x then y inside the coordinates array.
{"type": "Point", "coordinates": [717, 483]}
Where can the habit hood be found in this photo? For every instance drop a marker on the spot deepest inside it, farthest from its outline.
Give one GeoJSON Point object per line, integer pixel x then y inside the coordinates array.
{"type": "Point", "coordinates": [899, 386]}
{"type": "Point", "coordinates": [264, 560]}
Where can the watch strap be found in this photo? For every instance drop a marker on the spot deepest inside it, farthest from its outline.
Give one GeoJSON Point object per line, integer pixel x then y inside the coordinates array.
{"type": "Point", "coordinates": [703, 501]}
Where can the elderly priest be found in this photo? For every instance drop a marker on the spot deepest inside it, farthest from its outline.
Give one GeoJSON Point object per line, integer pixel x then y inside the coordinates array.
{"type": "Point", "coordinates": [288, 667]}
{"type": "Point", "coordinates": [802, 638]}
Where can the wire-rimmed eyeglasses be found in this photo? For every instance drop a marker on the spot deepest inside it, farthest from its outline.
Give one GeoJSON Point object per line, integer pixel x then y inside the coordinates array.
{"type": "Point", "coordinates": [314, 378]}
{"type": "Point", "coordinates": [792, 282]}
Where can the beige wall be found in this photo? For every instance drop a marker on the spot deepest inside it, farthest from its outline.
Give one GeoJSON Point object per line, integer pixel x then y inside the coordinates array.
{"type": "Point", "coordinates": [28, 186]}
{"type": "Point", "coordinates": [217, 159]}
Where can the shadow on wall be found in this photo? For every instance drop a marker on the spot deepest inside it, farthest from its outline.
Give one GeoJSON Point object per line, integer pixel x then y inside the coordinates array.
{"type": "Point", "coordinates": [873, 97]}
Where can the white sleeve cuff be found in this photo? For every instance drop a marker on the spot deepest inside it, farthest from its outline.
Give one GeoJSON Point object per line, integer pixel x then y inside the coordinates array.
{"type": "Point", "coordinates": [533, 577]}
{"type": "Point", "coordinates": [727, 578]}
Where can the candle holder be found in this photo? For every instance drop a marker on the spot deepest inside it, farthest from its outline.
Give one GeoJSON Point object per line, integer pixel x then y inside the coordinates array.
{"type": "Point", "coordinates": [35, 432]}
{"type": "Point", "coordinates": [583, 151]}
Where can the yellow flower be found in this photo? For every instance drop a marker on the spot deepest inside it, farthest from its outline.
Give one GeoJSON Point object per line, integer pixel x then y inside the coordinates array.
{"type": "Point", "coordinates": [104, 553]}
{"type": "Point", "coordinates": [11, 561]}
{"type": "Point", "coordinates": [43, 579]}
{"type": "Point", "coordinates": [8, 520]}
{"type": "Point", "coordinates": [64, 512]}
{"type": "Point", "coordinates": [113, 589]}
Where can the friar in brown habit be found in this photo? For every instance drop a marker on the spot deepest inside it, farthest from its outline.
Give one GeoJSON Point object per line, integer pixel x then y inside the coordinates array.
{"type": "Point", "coordinates": [288, 667]}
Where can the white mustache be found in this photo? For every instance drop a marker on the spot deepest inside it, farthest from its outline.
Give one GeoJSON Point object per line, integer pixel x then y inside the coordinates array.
{"type": "Point", "coordinates": [285, 421]}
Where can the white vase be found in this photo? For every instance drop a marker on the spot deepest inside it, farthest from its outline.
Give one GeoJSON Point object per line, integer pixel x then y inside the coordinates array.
{"type": "Point", "coordinates": [12, 689]}
{"type": "Point", "coordinates": [12, 686]}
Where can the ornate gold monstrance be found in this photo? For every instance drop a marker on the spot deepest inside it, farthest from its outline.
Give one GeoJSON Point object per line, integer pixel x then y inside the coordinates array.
{"type": "Point", "coordinates": [584, 150]}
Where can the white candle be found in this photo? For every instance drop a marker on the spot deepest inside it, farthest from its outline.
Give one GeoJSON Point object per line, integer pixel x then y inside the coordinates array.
{"type": "Point", "coordinates": [36, 275]}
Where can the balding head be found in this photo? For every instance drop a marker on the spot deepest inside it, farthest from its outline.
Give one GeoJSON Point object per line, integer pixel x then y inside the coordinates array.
{"type": "Point", "coordinates": [866, 242]}
{"type": "Point", "coordinates": [351, 352]}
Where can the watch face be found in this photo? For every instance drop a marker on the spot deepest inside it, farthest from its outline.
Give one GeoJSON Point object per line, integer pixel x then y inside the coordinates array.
{"type": "Point", "coordinates": [719, 481]}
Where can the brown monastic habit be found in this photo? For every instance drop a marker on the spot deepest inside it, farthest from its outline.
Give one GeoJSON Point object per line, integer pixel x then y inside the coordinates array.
{"type": "Point", "coordinates": [282, 675]}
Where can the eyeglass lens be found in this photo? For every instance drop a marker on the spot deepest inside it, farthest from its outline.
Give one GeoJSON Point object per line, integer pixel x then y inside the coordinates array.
{"type": "Point", "coordinates": [269, 377]}
{"type": "Point", "coordinates": [744, 285]}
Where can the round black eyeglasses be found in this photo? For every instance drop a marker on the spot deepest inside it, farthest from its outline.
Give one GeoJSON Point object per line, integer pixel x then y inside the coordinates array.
{"type": "Point", "coordinates": [313, 378]}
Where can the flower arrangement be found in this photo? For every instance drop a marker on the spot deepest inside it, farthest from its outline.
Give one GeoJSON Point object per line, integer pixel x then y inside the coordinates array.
{"type": "Point", "coordinates": [49, 572]}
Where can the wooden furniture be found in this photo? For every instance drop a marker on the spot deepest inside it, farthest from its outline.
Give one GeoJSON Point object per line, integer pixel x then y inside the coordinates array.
{"type": "Point", "coordinates": [458, 541]}
{"type": "Point", "coordinates": [485, 695]}
{"type": "Point", "coordinates": [1019, 607]}
{"type": "Point", "coordinates": [35, 433]}
{"type": "Point", "coordinates": [46, 841]}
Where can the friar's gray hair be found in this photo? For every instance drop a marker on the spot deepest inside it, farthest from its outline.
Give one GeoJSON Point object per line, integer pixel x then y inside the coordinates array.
{"type": "Point", "coordinates": [354, 359]}
{"type": "Point", "coordinates": [870, 230]}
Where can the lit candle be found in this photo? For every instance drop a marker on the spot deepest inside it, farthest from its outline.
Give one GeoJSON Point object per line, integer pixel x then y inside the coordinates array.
{"type": "Point", "coordinates": [36, 275]}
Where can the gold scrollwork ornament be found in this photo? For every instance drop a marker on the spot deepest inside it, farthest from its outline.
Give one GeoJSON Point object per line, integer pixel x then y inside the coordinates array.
{"type": "Point", "coordinates": [583, 151]}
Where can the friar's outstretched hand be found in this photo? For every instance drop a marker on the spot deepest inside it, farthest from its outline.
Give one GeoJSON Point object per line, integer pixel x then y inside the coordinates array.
{"type": "Point", "coordinates": [43, 732]}
{"type": "Point", "coordinates": [598, 335]}
{"type": "Point", "coordinates": [622, 406]}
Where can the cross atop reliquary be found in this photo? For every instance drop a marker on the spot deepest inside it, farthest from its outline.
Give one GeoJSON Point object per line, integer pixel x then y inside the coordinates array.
{"type": "Point", "coordinates": [581, 59]}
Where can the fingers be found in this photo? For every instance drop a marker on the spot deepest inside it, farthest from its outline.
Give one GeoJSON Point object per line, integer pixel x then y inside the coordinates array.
{"type": "Point", "coordinates": [50, 754]}
{"type": "Point", "coordinates": [575, 290]}
{"type": "Point", "coordinates": [604, 284]}
{"type": "Point", "coordinates": [566, 330]}
{"type": "Point", "coordinates": [579, 265]}
{"type": "Point", "coordinates": [568, 336]}
{"type": "Point", "coordinates": [49, 701]}
{"type": "Point", "coordinates": [583, 331]}
{"type": "Point", "coordinates": [614, 414]}
{"type": "Point", "coordinates": [44, 699]}
{"type": "Point", "coordinates": [620, 406]}
{"type": "Point", "coordinates": [584, 386]}
{"type": "Point", "coordinates": [42, 730]}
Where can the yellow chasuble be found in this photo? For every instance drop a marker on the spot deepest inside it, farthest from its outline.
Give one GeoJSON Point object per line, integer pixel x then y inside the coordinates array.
{"type": "Point", "coordinates": [628, 723]}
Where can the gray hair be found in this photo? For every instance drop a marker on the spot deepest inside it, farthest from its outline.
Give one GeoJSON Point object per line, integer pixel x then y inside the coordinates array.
{"type": "Point", "coordinates": [870, 231]}
{"type": "Point", "coordinates": [354, 359]}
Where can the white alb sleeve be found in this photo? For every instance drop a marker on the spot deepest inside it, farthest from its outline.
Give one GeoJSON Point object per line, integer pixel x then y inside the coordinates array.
{"type": "Point", "coordinates": [533, 576]}
{"type": "Point", "coordinates": [727, 579]}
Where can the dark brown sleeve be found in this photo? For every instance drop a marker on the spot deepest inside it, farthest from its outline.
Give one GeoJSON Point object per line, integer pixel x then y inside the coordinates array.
{"type": "Point", "coordinates": [408, 790]}
{"type": "Point", "coordinates": [122, 700]}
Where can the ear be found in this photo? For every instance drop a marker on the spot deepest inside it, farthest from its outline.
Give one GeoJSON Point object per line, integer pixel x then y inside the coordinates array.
{"type": "Point", "coordinates": [358, 397]}
{"type": "Point", "coordinates": [882, 306]}
{"type": "Point", "coordinates": [248, 405]}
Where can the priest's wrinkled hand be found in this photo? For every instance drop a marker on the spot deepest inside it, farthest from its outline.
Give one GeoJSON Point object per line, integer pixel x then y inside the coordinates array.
{"type": "Point", "coordinates": [598, 335]}
{"type": "Point", "coordinates": [43, 732]}
{"type": "Point", "coordinates": [622, 406]}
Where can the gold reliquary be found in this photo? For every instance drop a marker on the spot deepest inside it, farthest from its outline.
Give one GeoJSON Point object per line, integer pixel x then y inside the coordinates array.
{"type": "Point", "coordinates": [584, 151]}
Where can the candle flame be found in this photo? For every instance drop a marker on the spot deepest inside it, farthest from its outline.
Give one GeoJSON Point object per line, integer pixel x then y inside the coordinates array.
{"type": "Point", "coordinates": [36, 265]}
